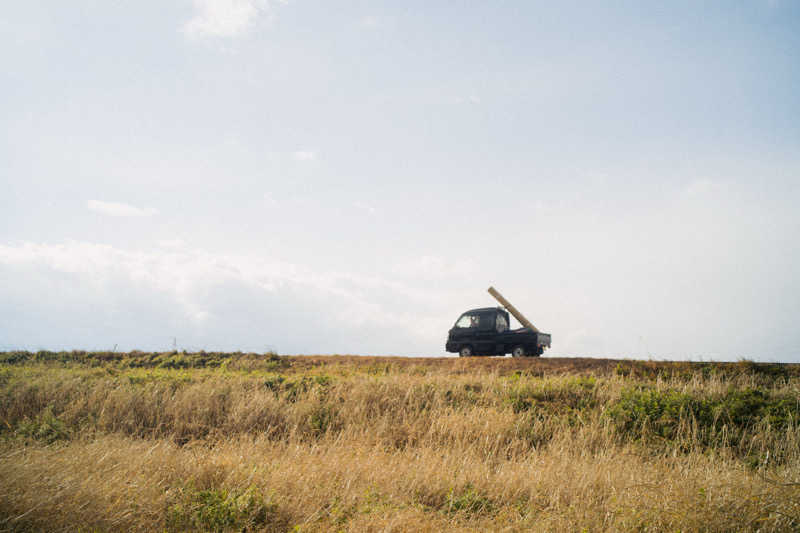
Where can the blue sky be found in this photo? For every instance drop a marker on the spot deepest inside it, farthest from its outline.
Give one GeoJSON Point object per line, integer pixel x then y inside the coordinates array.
{"type": "Point", "coordinates": [347, 177]}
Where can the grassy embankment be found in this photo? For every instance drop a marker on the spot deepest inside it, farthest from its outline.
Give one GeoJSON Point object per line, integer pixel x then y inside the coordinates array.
{"type": "Point", "coordinates": [237, 441]}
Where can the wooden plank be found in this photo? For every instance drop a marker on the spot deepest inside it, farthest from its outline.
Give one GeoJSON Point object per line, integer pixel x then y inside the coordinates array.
{"type": "Point", "coordinates": [511, 309]}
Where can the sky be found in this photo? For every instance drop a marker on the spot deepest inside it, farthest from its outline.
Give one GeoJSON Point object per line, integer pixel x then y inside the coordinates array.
{"type": "Point", "coordinates": [342, 177]}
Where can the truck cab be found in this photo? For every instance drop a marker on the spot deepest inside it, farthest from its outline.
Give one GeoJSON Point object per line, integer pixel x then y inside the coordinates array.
{"type": "Point", "coordinates": [485, 331]}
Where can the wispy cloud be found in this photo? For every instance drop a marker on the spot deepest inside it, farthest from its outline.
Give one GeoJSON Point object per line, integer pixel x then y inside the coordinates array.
{"type": "Point", "coordinates": [171, 243]}
{"type": "Point", "coordinates": [370, 21]}
{"type": "Point", "coordinates": [190, 293]}
{"type": "Point", "coordinates": [364, 207]}
{"type": "Point", "coordinates": [117, 209]}
{"type": "Point", "coordinates": [700, 187]}
{"type": "Point", "coordinates": [436, 268]}
{"type": "Point", "coordinates": [374, 22]}
{"type": "Point", "coordinates": [270, 200]}
{"type": "Point", "coordinates": [224, 18]}
{"type": "Point", "coordinates": [470, 99]}
{"type": "Point", "coordinates": [304, 155]}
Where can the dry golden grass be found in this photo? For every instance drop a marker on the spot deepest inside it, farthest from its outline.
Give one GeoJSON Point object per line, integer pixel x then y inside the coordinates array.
{"type": "Point", "coordinates": [367, 444]}
{"type": "Point", "coordinates": [114, 482]}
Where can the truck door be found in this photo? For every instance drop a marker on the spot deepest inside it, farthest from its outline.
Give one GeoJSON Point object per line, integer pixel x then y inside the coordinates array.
{"type": "Point", "coordinates": [501, 339]}
{"type": "Point", "coordinates": [464, 331]}
{"type": "Point", "coordinates": [486, 333]}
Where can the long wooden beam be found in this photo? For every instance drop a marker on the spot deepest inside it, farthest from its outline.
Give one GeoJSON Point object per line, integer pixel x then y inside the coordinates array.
{"type": "Point", "coordinates": [511, 309]}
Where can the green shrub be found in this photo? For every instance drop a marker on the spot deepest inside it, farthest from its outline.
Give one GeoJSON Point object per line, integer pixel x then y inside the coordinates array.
{"type": "Point", "coordinates": [561, 396]}
{"type": "Point", "coordinates": [45, 428]}
{"type": "Point", "coordinates": [138, 359]}
{"type": "Point", "coordinates": [771, 370]}
{"type": "Point", "coordinates": [221, 510]}
{"type": "Point", "coordinates": [747, 407]}
{"type": "Point", "coordinates": [323, 380]}
{"type": "Point", "coordinates": [520, 400]}
{"type": "Point", "coordinates": [665, 412]}
{"type": "Point", "coordinates": [322, 418]}
{"type": "Point", "coordinates": [660, 411]}
{"type": "Point", "coordinates": [274, 383]}
{"type": "Point", "coordinates": [468, 501]}
{"type": "Point", "coordinates": [13, 358]}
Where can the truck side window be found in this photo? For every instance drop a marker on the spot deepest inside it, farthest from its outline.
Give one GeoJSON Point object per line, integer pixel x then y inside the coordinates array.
{"type": "Point", "coordinates": [502, 323]}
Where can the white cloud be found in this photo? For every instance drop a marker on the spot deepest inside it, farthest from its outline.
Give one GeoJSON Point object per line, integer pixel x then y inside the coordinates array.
{"type": "Point", "coordinates": [224, 18]}
{"type": "Point", "coordinates": [364, 207]}
{"type": "Point", "coordinates": [470, 99]}
{"type": "Point", "coordinates": [171, 243]}
{"type": "Point", "coordinates": [304, 155]}
{"type": "Point", "coordinates": [374, 22]}
{"type": "Point", "coordinates": [109, 295]}
{"type": "Point", "coordinates": [370, 21]}
{"type": "Point", "coordinates": [117, 209]}
{"type": "Point", "coordinates": [703, 187]}
{"type": "Point", "coordinates": [436, 268]}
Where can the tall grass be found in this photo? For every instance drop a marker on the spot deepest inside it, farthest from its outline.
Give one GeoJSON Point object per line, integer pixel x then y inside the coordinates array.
{"type": "Point", "coordinates": [270, 443]}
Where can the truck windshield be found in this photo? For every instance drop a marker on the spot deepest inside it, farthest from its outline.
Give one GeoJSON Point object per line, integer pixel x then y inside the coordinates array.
{"type": "Point", "coordinates": [467, 321]}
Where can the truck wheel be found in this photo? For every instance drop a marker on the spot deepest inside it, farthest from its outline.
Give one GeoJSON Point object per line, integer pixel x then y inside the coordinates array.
{"type": "Point", "coordinates": [518, 351]}
{"type": "Point", "coordinates": [466, 351]}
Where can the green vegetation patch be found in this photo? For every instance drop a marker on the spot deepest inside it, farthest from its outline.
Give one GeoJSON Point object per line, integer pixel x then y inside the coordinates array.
{"type": "Point", "coordinates": [137, 359]}
{"type": "Point", "coordinates": [766, 374]}
{"type": "Point", "coordinates": [556, 396]}
{"type": "Point", "coordinates": [45, 428]}
{"type": "Point", "coordinates": [190, 509]}
{"type": "Point", "coordinates": [297, 388]}
{"type": "Point", "coordinates": [464, 500]}
{"type": "Point", "coordinates": [340, 511]}
{"type": "Point", "coordinates": [468, 501]}
{"type": "Point", "coordinates": [664, 413]}
{"type": "Point", "coordinates": [323, 418]}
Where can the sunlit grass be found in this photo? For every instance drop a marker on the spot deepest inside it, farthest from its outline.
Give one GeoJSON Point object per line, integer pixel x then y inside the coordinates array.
{"type": "Point", "coordinates": [246, 441]}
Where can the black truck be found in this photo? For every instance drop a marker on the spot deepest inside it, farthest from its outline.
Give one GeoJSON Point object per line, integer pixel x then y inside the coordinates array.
{"type": "Point", "coordinates": [485, 331]}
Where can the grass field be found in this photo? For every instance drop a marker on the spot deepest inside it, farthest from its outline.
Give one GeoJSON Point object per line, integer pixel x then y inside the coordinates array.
{"type": "Point", "coordinates": [232, 442]}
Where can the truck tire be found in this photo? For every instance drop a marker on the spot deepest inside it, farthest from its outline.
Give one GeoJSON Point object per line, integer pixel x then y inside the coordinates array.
{"type": "Point", "coordinates": [518, 351]}
{"type": "Point", "coordinates": [465, 351]}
